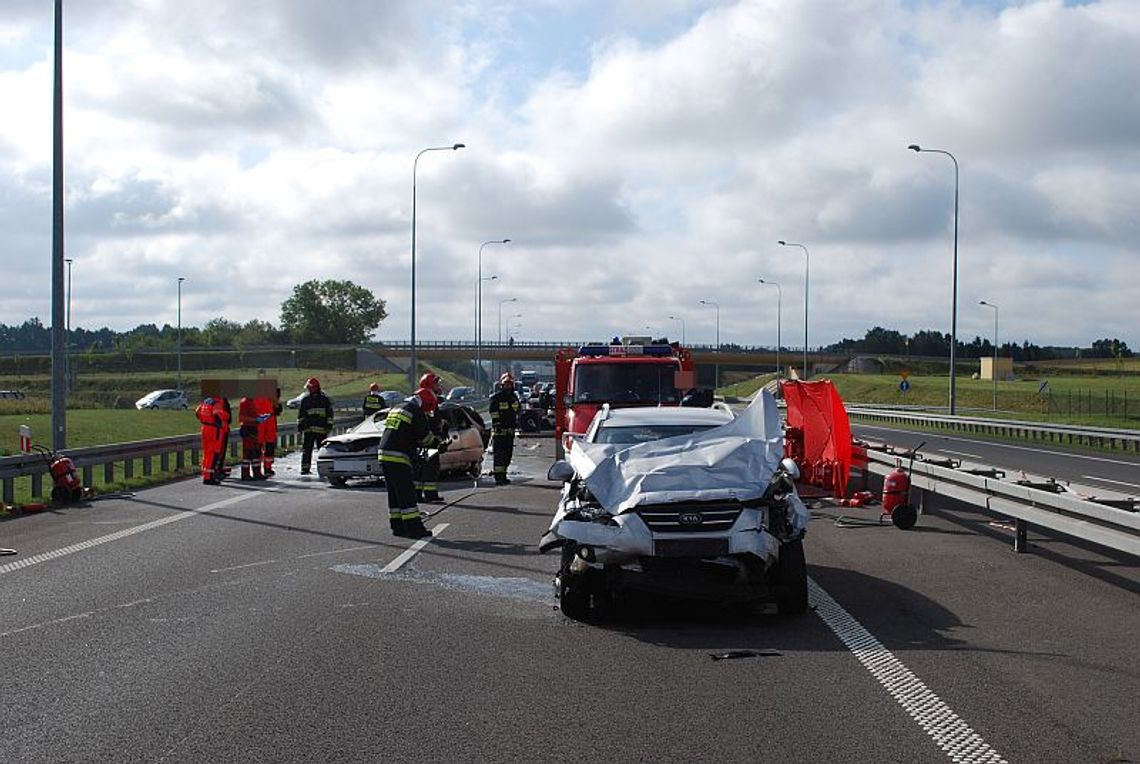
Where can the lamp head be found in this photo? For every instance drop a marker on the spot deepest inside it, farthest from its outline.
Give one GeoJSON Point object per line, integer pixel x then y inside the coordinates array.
{"type": "Point", "coordinates": [914, 147]}
{"type": "Point", "coordinates": [506, 241]}
{"type": "Point", "coordinates": [782, 243]}
{"type": "Point", "coordinates": [459, 146]}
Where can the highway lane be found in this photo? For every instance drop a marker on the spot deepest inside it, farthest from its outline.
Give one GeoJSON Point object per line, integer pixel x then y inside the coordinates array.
{"type": "Point", "coordinates": [1111, 472]}
{"type": "Point", "coordinates": [267, 622]}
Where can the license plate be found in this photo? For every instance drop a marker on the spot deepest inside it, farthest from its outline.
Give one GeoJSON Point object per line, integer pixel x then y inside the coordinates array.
{"type": "Point", "coordinates": [690, 547]}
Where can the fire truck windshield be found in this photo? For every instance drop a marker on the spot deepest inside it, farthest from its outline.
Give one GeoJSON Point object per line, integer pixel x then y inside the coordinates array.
{"type": "Point", "coordinates": [625, 383]}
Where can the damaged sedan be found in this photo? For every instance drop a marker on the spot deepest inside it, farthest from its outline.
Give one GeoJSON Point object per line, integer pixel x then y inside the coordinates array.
{"type": "Point", "coordinates": [685, 504]}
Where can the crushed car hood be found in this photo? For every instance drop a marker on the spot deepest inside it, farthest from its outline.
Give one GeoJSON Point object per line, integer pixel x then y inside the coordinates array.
{"type": "Point", "coordinates": [733, 461]}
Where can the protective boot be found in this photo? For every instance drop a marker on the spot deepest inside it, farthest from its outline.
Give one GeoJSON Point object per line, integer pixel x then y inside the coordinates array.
{"type": "Point", "coordinates": [257, 474]}
{"type": "Point", "coordinates": [414, 529]}
{"type": "Point", "coordinates": [245, 473]}
{"type": "Point", "coordinates": [433, 497]}
{"type": "Point", "coordinates": [397, 525]}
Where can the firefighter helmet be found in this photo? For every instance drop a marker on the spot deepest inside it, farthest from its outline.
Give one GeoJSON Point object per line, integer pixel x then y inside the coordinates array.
{"type": "Point", "coordinates": [507, 380]}
{"type": "Point", "coordinates": [429, 381]}
{"type": "Point", "coordinates": [312, 384]}
{"type": "Point", "coordinates": [428, 402]}
{"type": "Point", "coordinates": [374, 388]}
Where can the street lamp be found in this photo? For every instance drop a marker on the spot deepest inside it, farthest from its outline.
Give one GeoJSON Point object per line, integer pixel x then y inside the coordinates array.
{"type": "Point", "coordinates": [779, 311]}
{"type": "Point", "coordinates": [678, 318]}
{"type": "Point", "coordinates": [954, 279]}
{"type": "Point", "coordinates": [67, 334]}
{"type": "Point", "coordinates": [807, 274]}
{"type": "Point", "coordinates": [993, 370]}
{"type": "Point", "coordinates": [500, 340]}
{"type": "Point", "coordinates": [415, 165]}
{"type": "Point", "coordinates": [479, 307]}
{"type": "Point", "coordinates": [178, 337]}
{"type": "Point", "coordinates": [716, 369]}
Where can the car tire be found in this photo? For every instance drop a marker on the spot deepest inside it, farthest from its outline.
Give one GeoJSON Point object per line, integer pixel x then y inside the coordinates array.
{"type": "Point", "coordinates": [791, 579]}
{"type": "Point", "coordinates": [573, 588]}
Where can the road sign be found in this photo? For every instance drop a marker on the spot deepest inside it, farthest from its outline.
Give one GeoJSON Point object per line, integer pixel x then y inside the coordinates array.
{"type": "Point", "coordinates": [904, 386]}
{"type": "Point", "coordinates": [904, 374]}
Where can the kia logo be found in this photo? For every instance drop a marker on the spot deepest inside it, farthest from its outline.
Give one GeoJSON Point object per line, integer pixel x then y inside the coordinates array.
{"type": "Point", "coordinates": [691, 518]}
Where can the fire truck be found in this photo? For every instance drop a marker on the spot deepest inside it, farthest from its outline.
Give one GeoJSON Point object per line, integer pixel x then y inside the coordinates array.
{"type": "Point", "coordinates": [619, 373]}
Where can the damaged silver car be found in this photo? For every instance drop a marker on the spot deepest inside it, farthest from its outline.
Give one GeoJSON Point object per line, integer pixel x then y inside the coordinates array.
{"type": "Point", "coordinates": [709, 512]}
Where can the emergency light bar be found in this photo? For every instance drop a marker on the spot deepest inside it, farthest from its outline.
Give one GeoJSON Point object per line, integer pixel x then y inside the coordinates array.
{"type": "Point", "coordinates": [658, 351]}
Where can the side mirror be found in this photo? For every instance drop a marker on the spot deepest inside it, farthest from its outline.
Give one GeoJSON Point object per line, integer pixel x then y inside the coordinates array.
{"type": "Point", "coordinates": [560, 471]}
{"type": "Point", "coordinates": [791, 468]}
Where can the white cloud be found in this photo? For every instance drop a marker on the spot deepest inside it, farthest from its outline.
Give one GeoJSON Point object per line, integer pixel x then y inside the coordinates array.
{"type": "Point", "coordinates": [640, 158]}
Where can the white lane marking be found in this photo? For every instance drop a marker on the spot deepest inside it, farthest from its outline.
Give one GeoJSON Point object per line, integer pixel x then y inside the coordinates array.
{"type": "Point", "coordinates": [413, 550]}
{"type": "Point", "coordinates": [936, 719]}
{"type": "Point", "coordinates": [1114, 482]}
{"type": "Point", "coordinates": [999, 444]}
{"type": "Point", "coordinates": [240, 567]}
{"type": "Point", "coordinates": [76, 617]}
{"type": "Point", "coordinates": [55, 554]}
{"type": "Point", "coordinates": [961, 453]}
{"type": "Point", "coordinates": [337, 551]}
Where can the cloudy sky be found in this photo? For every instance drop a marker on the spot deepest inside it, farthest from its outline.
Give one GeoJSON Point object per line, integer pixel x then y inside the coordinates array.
{"type": "Point", "coordinates": [642, 156]}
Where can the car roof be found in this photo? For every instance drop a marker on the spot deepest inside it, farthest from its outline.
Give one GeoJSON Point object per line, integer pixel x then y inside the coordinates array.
{"type": "Point", "coordinates": [637, 416]}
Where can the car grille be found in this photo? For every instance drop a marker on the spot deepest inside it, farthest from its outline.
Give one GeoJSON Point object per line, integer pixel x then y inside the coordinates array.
{"type": "Point", "coordinates": [706, 517]}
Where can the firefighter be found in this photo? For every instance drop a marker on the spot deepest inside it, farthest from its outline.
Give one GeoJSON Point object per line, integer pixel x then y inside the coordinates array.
{"type": "Point", "coordinates": [248, 421]}
{"type": "Point", "coordinates": [406, 429]}
{"type": "Point", "coordinates": [372, 401]}
{"type": "Point", "coordinates": [429, 381]}
{"type": "Point", "coordinates": [427, 462]}
{"type": "Point", "coordinates": [211, 441]}
{"type": "Point", "coordinates": [504, 410]}
{"type": "Point", "coordinates": [268, 410]}
{"type": "Point", "coordinates": [314, 420]}
{"type": "Point", "coordinates": [225, 415]}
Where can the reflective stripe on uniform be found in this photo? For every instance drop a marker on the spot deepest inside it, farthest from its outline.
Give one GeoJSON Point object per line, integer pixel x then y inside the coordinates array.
{"type": "Point", "coordinates": [397, 457]}
{"type": "Point", "coordinates": [396, 418]}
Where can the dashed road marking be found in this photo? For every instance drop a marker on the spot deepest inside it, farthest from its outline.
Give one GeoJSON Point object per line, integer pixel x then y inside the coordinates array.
{"type": "Point", "coordinates": [413, 550]}
{"type": "Point", "coordinates": [936, 719]}
{"type": "Point", "coordinates": [1114, 482]}
{"type": "Point", "coordinates": [55, 554]}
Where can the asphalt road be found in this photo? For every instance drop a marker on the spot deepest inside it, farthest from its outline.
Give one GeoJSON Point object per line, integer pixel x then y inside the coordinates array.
{"type": "Point", "coordinates": [281, 621]}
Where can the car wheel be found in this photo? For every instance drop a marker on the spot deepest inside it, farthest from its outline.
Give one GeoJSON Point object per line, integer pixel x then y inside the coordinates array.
{"type": "Point", "coordinates": [337, 481]}
{"type": "Point", "coordinates": [528, 422]}
{"type": "Point", "coordinates": [791, 578]}
{"type": "Point", "coordinates": [573, 588]}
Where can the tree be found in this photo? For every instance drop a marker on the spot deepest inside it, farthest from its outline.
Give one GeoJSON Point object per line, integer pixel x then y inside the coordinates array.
{"type": "Point", "coordinates": [220, 332]}
{"type": "Point", "coordinates": [331, 312]}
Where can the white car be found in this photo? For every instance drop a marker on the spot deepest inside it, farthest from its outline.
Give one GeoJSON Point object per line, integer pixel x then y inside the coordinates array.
{"type": "Point", "coordinates": [684, 501]}
{"type": "Point", "coordinates": [163, 399]}
{"type": "Point", "coordinates": [355, 453]}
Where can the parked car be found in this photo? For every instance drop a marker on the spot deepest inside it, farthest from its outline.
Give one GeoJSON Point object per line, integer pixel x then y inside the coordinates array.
{"type": "Point", "coordinates": [11, 394]}
{"type": "Point", "coordinates": [684, 501]}
{"type": "Point", "coordinates": [354, 454]}
{"type": "Point", "coordinates": [392, 397]}
{"type": "Point", "coordinates": [163, 399]}
{"type": "Point", "coordinates": [461, 394]}
{"type": "Point", "coordinates": [293, 403]}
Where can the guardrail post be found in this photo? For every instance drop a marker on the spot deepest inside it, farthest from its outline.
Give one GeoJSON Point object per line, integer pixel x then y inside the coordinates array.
{"type": "Point", "coordinates": [9, 490]}
{"type": "Point", "coordinates": [148, 464]}
{"type": "Point", "coordinates": [128, 468]}
{"type": "Point", "coordinates": [109, 472]}
{"type": "Point", "coordinates": [88, 475]}
{"type": "Point", "coordinates": [37, 484]}
{"type": "Point", "coordinates": [1020, 536]}
{"type": "Point", "coordinates": [164, 462]}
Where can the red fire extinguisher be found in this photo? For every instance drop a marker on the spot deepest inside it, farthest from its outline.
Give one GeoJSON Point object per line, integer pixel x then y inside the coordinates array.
{"type": "Point", "coordinates": [896, 496]}
{"type": "Point", "coordinates": [66, 485]}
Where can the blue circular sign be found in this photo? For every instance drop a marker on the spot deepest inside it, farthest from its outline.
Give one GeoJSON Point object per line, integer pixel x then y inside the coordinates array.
{"type": "Point", "coordinates": [904, 385]}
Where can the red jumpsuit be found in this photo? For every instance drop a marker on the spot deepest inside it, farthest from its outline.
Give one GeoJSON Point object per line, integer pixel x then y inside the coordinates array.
{"type": "Point", "coordinates": [222, 409]}
{"type": "Point", "coordinates": [267, 431]}
{"type": "Point", "coordinates": [211, 429]}
{"type": "Point", "coordinates": [250, 445]}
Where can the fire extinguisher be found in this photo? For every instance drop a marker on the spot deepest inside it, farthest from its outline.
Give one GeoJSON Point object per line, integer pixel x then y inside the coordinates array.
{"type": "Point", "coordinates": [896, 496]}
{"type": "Point", "coordinates": [66, 485]}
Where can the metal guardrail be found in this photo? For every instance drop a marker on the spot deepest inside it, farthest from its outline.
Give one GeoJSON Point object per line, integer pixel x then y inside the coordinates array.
{"type": "Point", "coordinates": [1115, 439]}
{"type": "Point", "coordinates": [1112, 522]}
{"type": "Point", "coordinates": [120, 458]}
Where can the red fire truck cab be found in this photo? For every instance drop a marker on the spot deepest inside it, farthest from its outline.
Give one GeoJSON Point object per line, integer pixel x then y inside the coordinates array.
{"type": "Point", "coordinates": [653, 374]}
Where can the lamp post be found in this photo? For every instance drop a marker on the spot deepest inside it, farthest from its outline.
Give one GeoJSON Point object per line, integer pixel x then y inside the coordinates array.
{"type": "Point", "coordinates": [993, 370]}
{"type": "Point", "coordinates": [67, 334]}
{"type": "Point", "coordinates": [716, 371]}
{"type": "Point", "coordinates": [807, 275]}
{"type": "Point", "coordinates": [178, 337]}
{"type": "Point", "coordinates": [415, 166]}
{"type": "Point", "coordinates": [479, 307]}
{"type": "Point", "coordinates": [678, 318]}
{"type": "Point", "coordinates": [954, 279]}
{"type": "Point", "coordinates": [500, 340]}
{"type": "Point", "coordinates": [779, 311]}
